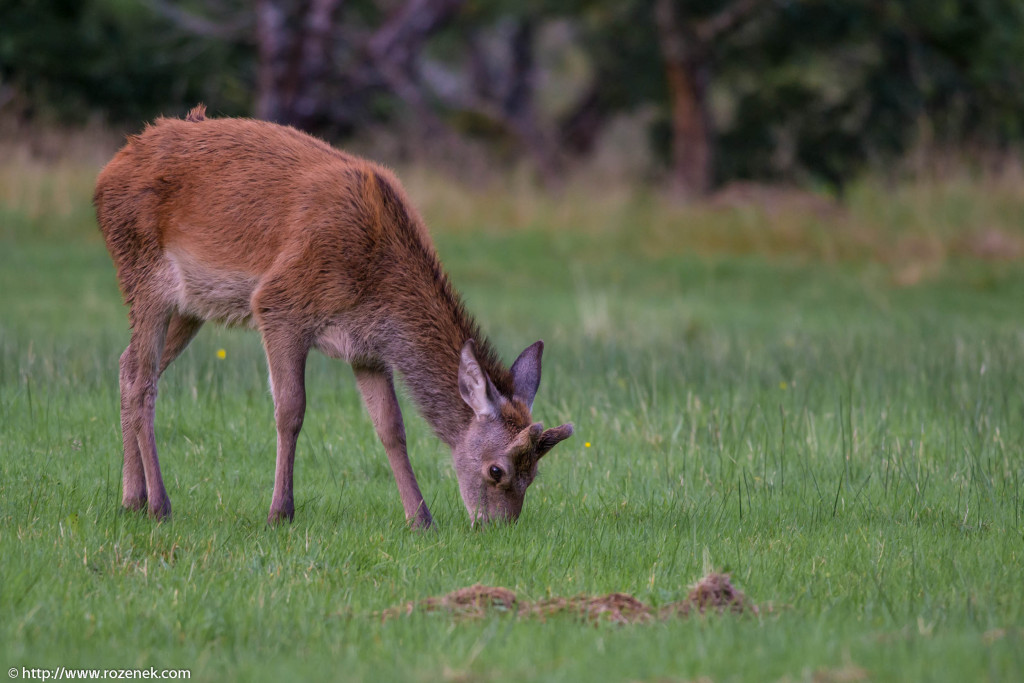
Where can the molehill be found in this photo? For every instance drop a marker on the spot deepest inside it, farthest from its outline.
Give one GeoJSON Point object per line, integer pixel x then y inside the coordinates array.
{"type": "Point", "coordinates": [714, 593]}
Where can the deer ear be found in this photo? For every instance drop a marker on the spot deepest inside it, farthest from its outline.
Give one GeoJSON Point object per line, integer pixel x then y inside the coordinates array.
{"type": "Point", "coordinates": [526, 374]}
{"type": "Point", "coordinates": [475, 386]}
{"type": "Point", "coordinates": [552, 436]}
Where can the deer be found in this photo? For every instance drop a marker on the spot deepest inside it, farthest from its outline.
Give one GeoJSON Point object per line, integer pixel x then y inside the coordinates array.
{"type": "Point", "coordinates": [254, 224]}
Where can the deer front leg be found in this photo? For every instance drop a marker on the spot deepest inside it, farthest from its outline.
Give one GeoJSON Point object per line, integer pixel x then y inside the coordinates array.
{"type": "Point", "coordinates": [286, 357]}
{"type": "Point", "coordinates": [378, 390]}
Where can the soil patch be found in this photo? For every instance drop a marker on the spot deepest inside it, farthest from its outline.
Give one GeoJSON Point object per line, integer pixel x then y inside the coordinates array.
{"type": "Point", "coordinates": [713, 593]}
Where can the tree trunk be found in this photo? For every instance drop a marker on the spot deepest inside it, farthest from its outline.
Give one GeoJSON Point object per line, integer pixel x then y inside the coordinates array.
{"type": "Point", "coordinates": [520, 109]}
{"type": "Point", "coordinates": [686, 69]}
{"type": "Point", "coordinates": [394, 49]}
{"type": "Point", "coordinates": [580, 128]}
{"type": "Point", "coordinates": [692, 152]}
{"type": "Point", "coordinates": [501, 89]}
{"type": "Point", "coordinates": [314, 58]}
{"type": "Point", "coordinates": [295, 44]}
{"type": "Point", "coordinates": [272, 39]}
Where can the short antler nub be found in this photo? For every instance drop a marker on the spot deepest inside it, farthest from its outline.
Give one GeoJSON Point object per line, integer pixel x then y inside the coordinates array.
{"type": "Point", "coordinates": [550, 438]}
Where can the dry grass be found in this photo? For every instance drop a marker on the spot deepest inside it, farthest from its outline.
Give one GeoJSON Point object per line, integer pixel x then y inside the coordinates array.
{"type": "Point", "coordinates": [915, 228]}
{"type": "Point", "coordinates": [713, 593]}
{"type": "Point", "coordinates": [39, 189]}
{"type": "Point", "coordinates": [48, 174]}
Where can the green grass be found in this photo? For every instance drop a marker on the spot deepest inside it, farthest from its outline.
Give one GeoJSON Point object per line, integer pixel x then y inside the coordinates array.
{"type": "Point", "coordinates": [851, 451]}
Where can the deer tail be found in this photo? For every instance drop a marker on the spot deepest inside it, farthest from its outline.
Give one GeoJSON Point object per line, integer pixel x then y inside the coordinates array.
{"type": "Point", "coordinates": [197, 113]}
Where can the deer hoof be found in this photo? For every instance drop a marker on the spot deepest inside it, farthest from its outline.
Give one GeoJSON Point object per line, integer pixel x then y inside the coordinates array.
{"type": "Point", "coordinates": [135, 503]}
{"type": "Point", "coordinates": [279, 515]}
{"type": "Point", "coordinates": [421, 521]}
{"type": "Point", "coordinates": [160, 508]}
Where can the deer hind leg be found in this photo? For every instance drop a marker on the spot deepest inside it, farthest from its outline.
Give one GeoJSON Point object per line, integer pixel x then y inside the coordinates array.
{"type": "Point", "coordinates": [378, 390]}
{"type": "Point", "coordinates": [140, 366]}
{"type": "Point", "coordinates": [180, 332]}
{"type": "Point", "coordinates": [133, 476]}
{"type": "Point", "coordinates": [286, 358]}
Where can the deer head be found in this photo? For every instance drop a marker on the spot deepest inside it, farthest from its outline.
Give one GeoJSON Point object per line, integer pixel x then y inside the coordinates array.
{"type": "Point", "coordinates": [497, 458]}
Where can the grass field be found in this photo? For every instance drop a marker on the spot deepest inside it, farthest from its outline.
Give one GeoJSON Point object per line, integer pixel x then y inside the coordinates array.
{"type": "Point", "coordinates": [828, 406]}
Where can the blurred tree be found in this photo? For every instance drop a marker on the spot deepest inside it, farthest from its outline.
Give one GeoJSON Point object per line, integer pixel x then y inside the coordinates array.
{"type": "Point", "coordinates": [810, 90]}
{"type": "Point", "coordinates": [74, 58]}
{"type": "Point", "coordinates": [325, 64]}
{"type": "Point", "coordinates": [689, 42]}
{"type": "Point", "coordinates": [295, 42]}
{"type": "Point", "coordinates": [805, 91]}
{"type": "Point", "coordinates": [844, 83]}
{"type": "Point", "coordinates": [489, 74]}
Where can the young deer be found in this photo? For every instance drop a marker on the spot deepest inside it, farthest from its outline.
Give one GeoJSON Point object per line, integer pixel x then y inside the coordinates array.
{"type": "Point", "coordinates": [250, 223]}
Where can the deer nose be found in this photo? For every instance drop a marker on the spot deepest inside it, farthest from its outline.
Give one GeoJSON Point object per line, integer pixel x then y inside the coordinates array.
{"type": "Point", "coordinates": [481, 519]}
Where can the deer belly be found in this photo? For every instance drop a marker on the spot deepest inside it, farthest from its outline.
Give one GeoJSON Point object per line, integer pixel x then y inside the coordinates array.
{"type": "Point", "coordinates": [335, 341]}
{"type": "Point", "coordinates": [212, 294]}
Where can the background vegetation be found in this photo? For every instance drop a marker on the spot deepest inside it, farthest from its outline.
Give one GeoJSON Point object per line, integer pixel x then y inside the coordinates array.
{"type": "Point", "coordinates": [805, 91]}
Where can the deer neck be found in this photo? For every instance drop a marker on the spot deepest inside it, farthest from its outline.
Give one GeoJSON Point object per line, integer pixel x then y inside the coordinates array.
{"type": "Point", "coordinates": [420, 323]}
{"type": "Point", "coordinates": [426, 353]}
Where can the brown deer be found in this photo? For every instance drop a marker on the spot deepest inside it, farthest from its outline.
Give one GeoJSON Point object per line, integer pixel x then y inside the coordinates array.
{"type": "Point", "coordinates": [251, 223]}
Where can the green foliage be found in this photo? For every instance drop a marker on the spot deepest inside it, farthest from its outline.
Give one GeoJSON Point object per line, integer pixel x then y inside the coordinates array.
{"type": "Point", "coordinates": [73, 58]}
{"type": "Point", "coordinates": [805, 90]}
{"type": "Point", "coordinates": [814, 91]}
{"type": "Point", "coordinates": [835, 85]}
{"type": "Point", "coordinates": [622, 43]}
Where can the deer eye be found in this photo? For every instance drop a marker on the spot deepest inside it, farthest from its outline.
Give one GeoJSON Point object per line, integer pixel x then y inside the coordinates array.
{"type": "Point", "coordinates": [496, 473]}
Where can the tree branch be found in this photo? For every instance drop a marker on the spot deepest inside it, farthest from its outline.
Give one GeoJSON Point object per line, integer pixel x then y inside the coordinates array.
{"type": "Point", "coordinates": [726, 20]}
{"type": "Point", "coordinates": [400, 39]}
{"type": "Point", "coordinates": [314, 57]}
{"type": "Point", "coordinates": [271, 39]}
{"type": "Point", "coordinates": [503, 93]}
{"type": "Point", "coordinates": [393, 48]}
{"type": "Point", "coordinates": [238, 29]}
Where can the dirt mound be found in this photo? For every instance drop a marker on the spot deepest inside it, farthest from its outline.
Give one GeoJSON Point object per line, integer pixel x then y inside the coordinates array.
{"type": "Point", "coordinates": [471, 602]}
{"type": "Point", "coordinates": [714, 593]}
{"type": "Point", "coordinates": [620, 608]}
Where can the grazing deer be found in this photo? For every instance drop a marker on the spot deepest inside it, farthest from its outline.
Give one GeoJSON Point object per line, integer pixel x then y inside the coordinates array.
{"type": "Point", "coordinates": [250, 223]}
